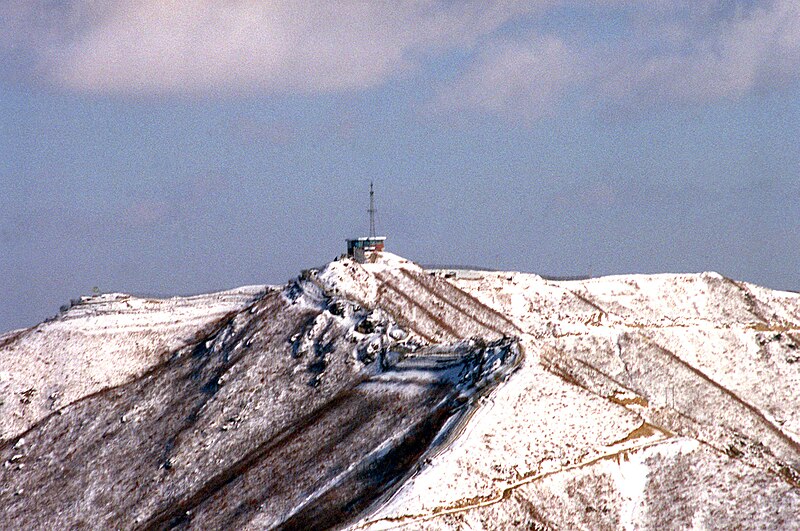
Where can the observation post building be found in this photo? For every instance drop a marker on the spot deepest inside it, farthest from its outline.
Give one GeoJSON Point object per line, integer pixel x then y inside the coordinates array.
{"type": "Point", "coordinates": [359, 247]}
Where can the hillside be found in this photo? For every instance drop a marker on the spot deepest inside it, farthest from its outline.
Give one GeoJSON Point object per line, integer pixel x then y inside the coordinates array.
{"type": "Point", "coordinates": [382, 395]}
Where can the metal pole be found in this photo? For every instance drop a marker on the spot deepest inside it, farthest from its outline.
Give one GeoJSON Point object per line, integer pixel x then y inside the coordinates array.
{"type": "Point", "coordinates": [371, 211]}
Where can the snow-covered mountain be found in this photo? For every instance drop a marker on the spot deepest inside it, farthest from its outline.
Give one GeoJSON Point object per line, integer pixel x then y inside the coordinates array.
{"type": "Point", "coordinates": [382, 395]}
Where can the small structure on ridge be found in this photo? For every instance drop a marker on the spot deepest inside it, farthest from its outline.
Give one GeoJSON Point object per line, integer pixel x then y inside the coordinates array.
{"type": "Point", "coordinates": [359, 248]}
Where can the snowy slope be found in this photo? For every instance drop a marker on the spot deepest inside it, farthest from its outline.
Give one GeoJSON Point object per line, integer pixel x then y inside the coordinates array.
{"type": "Point", "coordinates": [99, 342]}
{"type": "Point", "coordinates": [638, 401]}
{"type": "Point", "coordinates": [301, 409]}
{"type": "Point", "coordinates": [643, 402]}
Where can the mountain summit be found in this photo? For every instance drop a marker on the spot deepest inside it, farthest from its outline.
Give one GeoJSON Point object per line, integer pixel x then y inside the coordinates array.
{"type": "Point", "coordinates": [380, 395]}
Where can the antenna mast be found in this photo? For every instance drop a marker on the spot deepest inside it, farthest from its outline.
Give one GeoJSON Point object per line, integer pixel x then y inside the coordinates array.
{"type": "Point", "coordinates": [371, 211]}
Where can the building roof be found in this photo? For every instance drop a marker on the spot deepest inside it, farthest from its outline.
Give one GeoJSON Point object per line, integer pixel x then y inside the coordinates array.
{"type": "Point", "coordinates": [366, 239]}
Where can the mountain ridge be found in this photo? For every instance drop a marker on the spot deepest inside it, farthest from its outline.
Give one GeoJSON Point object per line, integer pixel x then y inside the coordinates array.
{"type": "Point", "coordinates": [622, 386]}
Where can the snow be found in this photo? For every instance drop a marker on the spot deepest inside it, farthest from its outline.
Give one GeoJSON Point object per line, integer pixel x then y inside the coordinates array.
{"type": "Point", "coordinates": [639, 401]}
{"type": "Point", "coordinates": [537, 424]}
{"type": "Point", "coordinates": [100, 342]}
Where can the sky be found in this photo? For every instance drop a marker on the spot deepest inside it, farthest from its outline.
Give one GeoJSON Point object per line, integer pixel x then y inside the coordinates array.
{"type": "Point", "coordinates": [161, 147]}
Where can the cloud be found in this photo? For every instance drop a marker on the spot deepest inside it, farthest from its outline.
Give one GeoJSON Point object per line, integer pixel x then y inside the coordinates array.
{"type": "Point", "coordinates": [669, 53]}
{"type": "Point", "coordinates": [520, 80]}
{"type": "Point", "coordinates": [516, 59]}
{"type": "Point", "coordinates": [709, 56]}
{"type": "Point", "coordinates": [211, 47]}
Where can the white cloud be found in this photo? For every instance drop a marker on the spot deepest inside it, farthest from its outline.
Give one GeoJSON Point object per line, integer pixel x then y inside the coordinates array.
{"type": "Point", "coordinates": [710, 57]}
{"type": "Point", "coordinates": [210, 46]}
{"type": "Point", "coordinates": [518, 80]}
{"type": "Point", "coordinates": [665, 51]}
{"type": "Point", "coordinates": [672, 52]}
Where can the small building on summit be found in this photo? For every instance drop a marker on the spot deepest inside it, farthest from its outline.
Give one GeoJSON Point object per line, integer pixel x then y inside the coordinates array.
{"type": "Point", "coordinates": [359, 248]}
{"type": "Point", "coordinates": [366, 244]}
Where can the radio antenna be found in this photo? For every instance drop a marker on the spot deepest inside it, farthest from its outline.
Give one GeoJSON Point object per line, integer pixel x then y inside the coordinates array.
{"type": "Point", "coordinates": [371, 211]}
